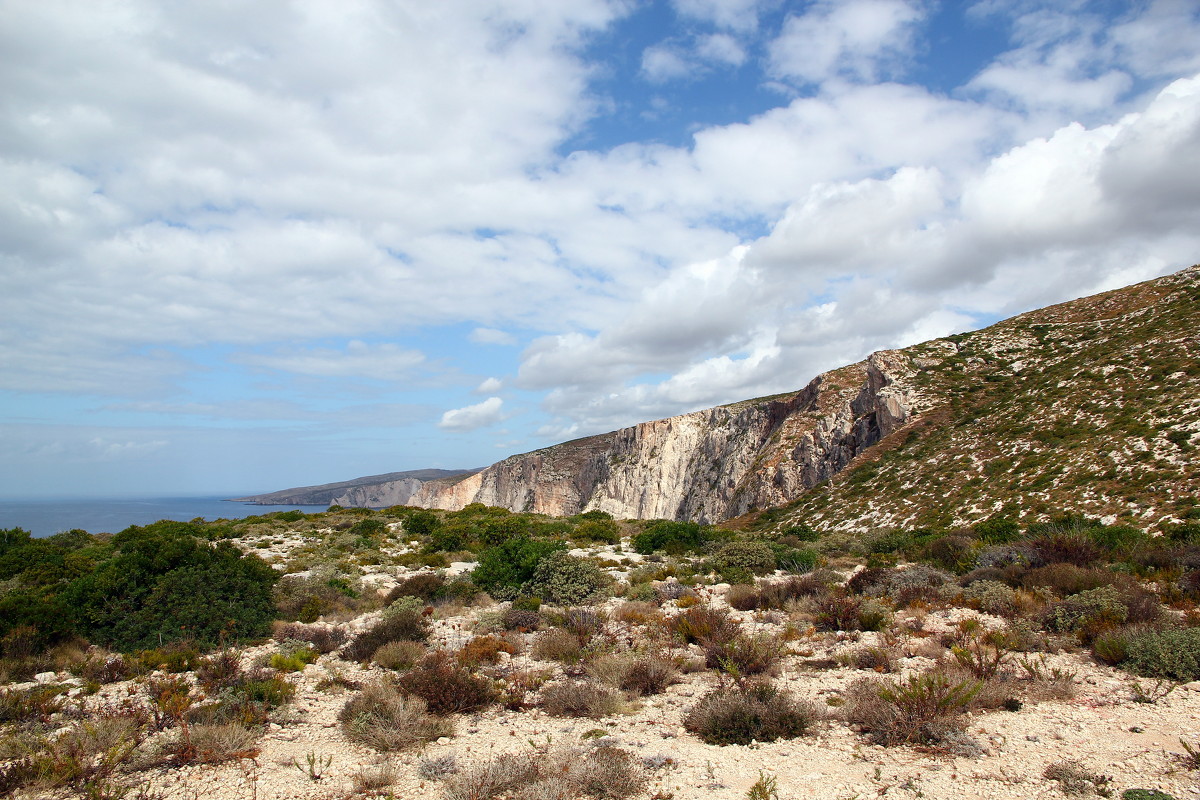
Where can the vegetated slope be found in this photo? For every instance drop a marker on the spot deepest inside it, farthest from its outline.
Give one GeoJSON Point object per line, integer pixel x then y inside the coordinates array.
{"type": "Point", "coordinates": [372, 491]}
{"type": "Point", "coordinates": [1089, 407]}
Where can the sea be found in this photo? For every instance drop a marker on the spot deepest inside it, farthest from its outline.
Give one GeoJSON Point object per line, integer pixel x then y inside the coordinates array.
{"type": "Point", "coordinates": [48, 517]}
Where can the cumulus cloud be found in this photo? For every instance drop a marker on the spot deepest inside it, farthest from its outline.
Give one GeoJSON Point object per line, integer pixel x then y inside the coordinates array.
{"type": "Point", "coordinates": [489, 386]}
{"type": "Point", "coordinates": [738, 15]}
{"type": "Point", "coordinates": [480, 415]}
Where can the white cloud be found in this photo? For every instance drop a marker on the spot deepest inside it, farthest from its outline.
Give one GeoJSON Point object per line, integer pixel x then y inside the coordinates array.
{"type": "Point", "coordinates": [855, 39]}
{"type": "Point", "coordinates": [738, 15]}
{"type": "Point", "coordinates": [480, 415]}
{"type": "Point", "coordinates": [492, 336]}
{"type": "Point", "coordinates": [665, 62]}
{"type": "Point", "coordinates": [721, 47]}
{"type": "Point", "coordinates": [489, 386]}
{"type": "Point", "coordinates": [358, 360]}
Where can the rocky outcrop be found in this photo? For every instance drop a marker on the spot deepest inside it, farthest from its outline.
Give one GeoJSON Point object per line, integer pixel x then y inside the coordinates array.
{"type": "Point", "coordinates": [707, 465]}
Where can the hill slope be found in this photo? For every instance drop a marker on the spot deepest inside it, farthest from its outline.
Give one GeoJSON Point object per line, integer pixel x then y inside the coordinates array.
{"type": "Point", "coordinates": [1089, 407]}
{"type": "Point", "coordinates": [371, 491]}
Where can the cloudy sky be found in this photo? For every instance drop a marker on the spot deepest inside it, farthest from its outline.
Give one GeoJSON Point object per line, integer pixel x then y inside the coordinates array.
{"type": "Point", "coordinates": [245, 246]}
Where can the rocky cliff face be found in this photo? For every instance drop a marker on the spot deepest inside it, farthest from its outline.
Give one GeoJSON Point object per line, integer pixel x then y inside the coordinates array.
{"type": "Point", "coordinates": [708, 465]}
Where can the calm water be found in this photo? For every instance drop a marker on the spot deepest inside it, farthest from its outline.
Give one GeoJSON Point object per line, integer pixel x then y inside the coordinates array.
{"type": "Point", "coordinates": [48, 517]}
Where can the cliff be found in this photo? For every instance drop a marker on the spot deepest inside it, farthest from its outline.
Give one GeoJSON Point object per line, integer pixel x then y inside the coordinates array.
{"type": "Point", "coordinates": [1088, 407]}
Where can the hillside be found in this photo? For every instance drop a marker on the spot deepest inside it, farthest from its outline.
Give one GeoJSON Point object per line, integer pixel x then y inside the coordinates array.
{"type": "Point", "coordinates": [371, 491]}
{"type": "Point", "coordinates": [1087, 407]}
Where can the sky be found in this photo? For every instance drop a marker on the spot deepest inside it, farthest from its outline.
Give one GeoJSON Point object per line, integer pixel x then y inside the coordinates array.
{"type": "Point", "coordinates": [249, 246]}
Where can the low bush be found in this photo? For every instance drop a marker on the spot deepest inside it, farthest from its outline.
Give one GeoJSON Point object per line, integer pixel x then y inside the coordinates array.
{"type": "Point", "coordinates": [399, 655]}
{"type": "Point", "coordinates": [598, 772]}
{"type": "Point", "coordinates": [649, 675]}
{"type": "Point", "coordinates": [1088, 612]}
{"type": "Point", "coordinates": [1173, 654]}
{"type": "Point", "coordinates": [563, 579]}
{"type": "Point", "coordinates": [991, 597]}
{"type": "Point", "coordinates": [485, 650]}
{"type": "Point", "coordinates": [504, 568]}
{"type": "Point", "coordinates": [758, 712]}
{"type": "Point", "coordinates": [743, 654]}
{"type": "Point", "coordinates": [704, 624]}
{"type": "Point", "coordinates": [403, 620]}
{"type": "Point", "coordinates": [557, 645]}
{"type": "Point", "coordinates": [739, 562]}
{"type": "Point", "coordinates": [579, 699]}
{"type": "Point", "coordinates": [382, 718]}
{"type": "Point", "coordinates": [323, 638]}
{"type": "Point", "coordinates": [34, 704]}
{"type": "Point", "coordinates": [446, 685]}
{"type": "Point", "coordinates": [923, 709]}
{"type": "Point", "coordinates": [671, 537]}
{"type": "Point", "coordinates": [520, 619]}
{"type": "Point", "coordinates": [293, 656]}
{"type": "Point", "coordinates": [428, 586]}
{"type": "Point", "coordinates": [220, 670]}
{"type": "Point", "coordinates": [1066, 579]}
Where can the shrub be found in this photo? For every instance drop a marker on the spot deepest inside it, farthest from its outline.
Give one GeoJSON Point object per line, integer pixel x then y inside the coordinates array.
{"type": "Point", "coordinates": [563, 579]}
{"type": "Point", "coordinates": [520, 619]}
{"type": "Point", "coordinates": [704, 624]}
{"type": "Point", "coordinates": [837, 612]}
{"type": "Point", "coordinates": [743, 597]}
{"type": "Point", "coordinates": [1067, 579]}
{"type": "Point", "coordinates": [506, 567]}
{"type": "Point", "coordinates": [671, 537]}
{"type": "Point", "coordinates": [293, 656]}
{"type": "Point", "coordinates": [878, 659]}
{"type": "Point", "coordinates": [382, 718]}
{"type": "Point", "coordinates": [398, 655]}
{"type": "Point", "coordinates": [1173, 654]}
{"type": "Point", "coordinates": [649, 675]}
{"type": "Point", "coordinates": [1074, 779]}
{"type": "Point", "coordinates": [598, 530]}
{"type": "Point", "coordinates": [403, 620]}
{"type": "Point", "coordinates": [220, 670]}
{"type": "Point", "coordinates": [484, 650]}
{"type": "Point", "coordinates": [164, 584]}
{"type": "Point", "coordinates": [307, 598]}
{"type": "Point", "coordinates": [991, 597]}
{"type": "Point", "coordinates": [739, 561]}
{"type": "Point", "coordinates": [1067, 547]}
{"type": "Point", "coordinates": [446, 686]}
{"type": "Point", "coordinates": [557, 645]}
{"type": "Point", "coordinates": [599, 772]}
{"type": "Point", "coordinates": [1088, 612]}
{"type": "Point", "coordinates": [579, 699]}
{"type": "Point", "coordinates": [425, 585]}
{"type": "Point", "coordinates": [923, 709]}
{"type": "Point", "coordinates": [103, 667]}
{"type": "Point", "coordinates": [35, 704]}
{"type": "Point", "coordinates": [743, 654]}
{"type": "Point", "coordinates": [758, 712]}
{"type": "Point", "coordinates": [323, 638]}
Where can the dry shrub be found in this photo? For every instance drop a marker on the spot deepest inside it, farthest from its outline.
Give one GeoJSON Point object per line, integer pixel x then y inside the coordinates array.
{"type": "Point", "coordinates": [382, 718]}
{"type": "Point", "coordinates": [402, 621]}
{"type": "Point", "coordinates": [837, 612]}
{"type": "Point", "coordinates": [1066, 579]}
{"type": "Point", "coordinates": [757, 712]}
{"type": "Point", "coordinates": [636, 612]}
{"type": "Point", "coordinates": [84, 755]}
{"type": "Point", "coordinates": [518, 686]}
{"type": "Point", "coordinates": [743, 654]}
{"type": "Point", "coordinates": [878, 659]}
{"type": "Point", "coordinates": [604, 772]}
{"type": "Point", "coordinates": [323, 638]}
{"type": "Point", "coordinates": [1066, 548]}
{"type": "Point", "coordinates": [743, 597]}
{"type": "Point", "coordinates": [485, 650]}
{"type": "Point", "coordinates": [1074, 779]}
{"type": "Point", "coordinates": [101, 666]}
{"type": "Point", "coordinates": [923, 709]}
{"type": "Point", "coordinates": [520, 619]}
{"type": "Point", "coordinates": [214, 743]}
{"type": "Point", "coordinates": [220, 670]}
{"type": "Point", "coordinates": [579, 699]}
{"type": "Point", "coordinates": [649, 675]}
{"type": "Point", "coordinates": [446, 685]}
{"type": "Point", "coordinates": [557, 645]}
{"type": "Point", "coordinates": [425, 585]}
{"type": "Point", "coordinates": [399, 655]}
{"type": "Point", "coordinates": [703, 624]}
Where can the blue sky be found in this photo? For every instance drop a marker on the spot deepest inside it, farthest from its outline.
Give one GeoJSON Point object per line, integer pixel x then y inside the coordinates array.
{"type": "Point", "coordinates": [297, 242]}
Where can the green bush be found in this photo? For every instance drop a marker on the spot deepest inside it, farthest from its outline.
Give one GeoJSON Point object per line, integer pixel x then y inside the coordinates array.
{"type": "Point", "coordinates": [564, 580]}
{"type": "Point", "coordinates": [1088, 612]}
{"type": "Point", "coordinates": [506, 567]}
{"type": "Point", "coordinates": [1173, 654]}
{"type": "Point", "coordinates": [598, 530]}
{"type": "Point", "coordinates": [739, 562]}
{"type": "Point", "coordinates": [674, 537]}
{"type": "Point", "coordinates": [164, 584]}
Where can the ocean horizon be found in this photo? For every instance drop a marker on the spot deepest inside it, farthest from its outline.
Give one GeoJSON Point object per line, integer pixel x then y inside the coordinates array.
{"type": "Point", "coordinates": [46, 517]}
